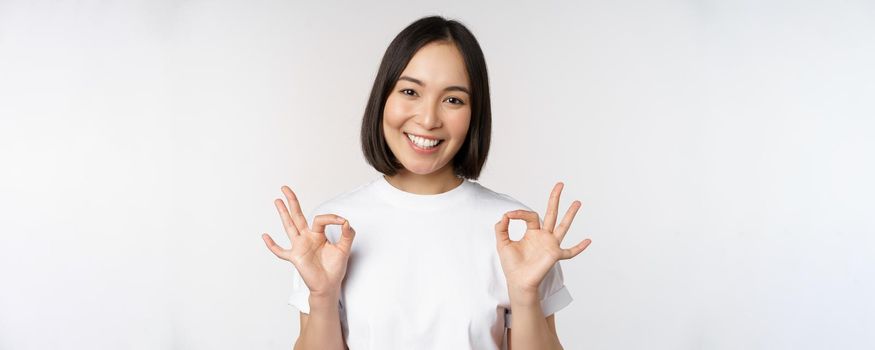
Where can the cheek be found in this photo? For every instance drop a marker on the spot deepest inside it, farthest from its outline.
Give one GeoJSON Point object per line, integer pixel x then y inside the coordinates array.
{"type": "Point", "coordinates": [394, 113]}
{"type": "Point", "coordinates": [458, 123]}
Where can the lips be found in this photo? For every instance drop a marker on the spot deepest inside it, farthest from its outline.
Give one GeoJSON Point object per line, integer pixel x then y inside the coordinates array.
{"type": "Point", "coordinates": [422, 145]}
{"type": "Point", "coordinates": [424, 136]}
{"type": "Point", "coordinates": [423, 142]}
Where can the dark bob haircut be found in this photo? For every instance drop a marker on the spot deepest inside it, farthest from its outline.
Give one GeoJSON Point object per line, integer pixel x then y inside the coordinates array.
{"type": "Point", "coordinates": [469, 160]}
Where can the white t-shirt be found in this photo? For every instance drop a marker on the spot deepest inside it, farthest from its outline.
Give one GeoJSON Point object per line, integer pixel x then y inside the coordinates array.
{"type": "Point", "coordinates": [424, 272]}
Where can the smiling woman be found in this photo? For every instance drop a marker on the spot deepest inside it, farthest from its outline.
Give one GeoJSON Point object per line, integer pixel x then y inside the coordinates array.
{"type": "Point", "coordinates": [425, 271]}
{"type": "Point", "coordinates": [432, 73]}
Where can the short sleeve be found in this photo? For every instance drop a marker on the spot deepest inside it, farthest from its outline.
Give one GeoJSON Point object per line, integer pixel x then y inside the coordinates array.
{"type": "Point", "coordinates": [300, 295]}
{"type": "Point", "coordinates": [554, 295]}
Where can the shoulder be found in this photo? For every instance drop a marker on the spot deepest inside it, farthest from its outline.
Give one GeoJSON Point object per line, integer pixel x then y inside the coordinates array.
{"type": "Point", "coordinates": [488, 198]}
{"type": "Point", "coordinates": [358, 197]}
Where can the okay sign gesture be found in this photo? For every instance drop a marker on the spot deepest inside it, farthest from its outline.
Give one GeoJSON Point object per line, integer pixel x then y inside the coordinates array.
{"type": "Point", "coordinates": [322, 264]}
{"type": "Point", "coordinates": [526, 262]}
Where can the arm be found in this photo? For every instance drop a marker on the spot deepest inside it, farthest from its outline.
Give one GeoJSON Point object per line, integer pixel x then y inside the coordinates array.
{"type": "Point", "coordinates": [551, 324]}
{"type": "Point", "coordinates": [321, 328]}
{"type": "Point", "coordinates": [526, 263]}
{"type": "Point", "coordinates": [533, 331]}
{"type": "Point", "coordinates": [322, 266]}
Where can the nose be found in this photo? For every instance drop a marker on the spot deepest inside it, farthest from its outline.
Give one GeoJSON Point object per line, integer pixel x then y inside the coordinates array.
{"type": "Point", "coordinates": [429, 116]}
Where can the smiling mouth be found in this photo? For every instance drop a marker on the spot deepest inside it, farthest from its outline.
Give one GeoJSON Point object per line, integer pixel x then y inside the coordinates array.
{"type": "Point", "coordinates": [423, 142]}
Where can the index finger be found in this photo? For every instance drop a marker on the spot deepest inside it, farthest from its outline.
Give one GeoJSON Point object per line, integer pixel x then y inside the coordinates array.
{"type": "Point", "coordinates": [295, 210]}
{"type": "Point", "coordinates": [530, 217]}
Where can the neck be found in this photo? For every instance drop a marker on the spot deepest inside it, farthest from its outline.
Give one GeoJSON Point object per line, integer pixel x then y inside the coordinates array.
{"type": "Point", "coordinates": [437, 182]}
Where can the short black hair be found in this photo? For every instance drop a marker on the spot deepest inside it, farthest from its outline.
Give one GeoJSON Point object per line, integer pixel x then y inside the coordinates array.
{"type": "Point", "coordinates": [469, 159]}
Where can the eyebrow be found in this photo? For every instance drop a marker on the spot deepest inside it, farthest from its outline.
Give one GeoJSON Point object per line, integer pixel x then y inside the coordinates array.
{"type": "Point", "coordinates": [448, 88]}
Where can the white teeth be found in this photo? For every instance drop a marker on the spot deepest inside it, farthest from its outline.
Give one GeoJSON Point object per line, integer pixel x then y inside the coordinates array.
{"type": "Point", "coordinates": [422, 142]}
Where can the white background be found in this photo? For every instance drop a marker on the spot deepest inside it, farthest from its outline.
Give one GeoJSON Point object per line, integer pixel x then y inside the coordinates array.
{"type": "Point", "coordinates": [722, 149]}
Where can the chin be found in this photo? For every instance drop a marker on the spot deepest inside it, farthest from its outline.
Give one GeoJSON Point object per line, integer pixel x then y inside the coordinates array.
{"type": "Point", "coordinates": [420, 167]}
{"type": "Point", "coordinates": [420, 170]}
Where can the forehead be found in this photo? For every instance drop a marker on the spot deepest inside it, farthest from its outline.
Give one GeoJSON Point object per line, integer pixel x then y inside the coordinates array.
{"type": "Point", "coordinates": [438, 63]}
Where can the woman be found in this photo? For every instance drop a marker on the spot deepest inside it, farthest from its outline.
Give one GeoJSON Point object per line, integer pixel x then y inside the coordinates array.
{"type": "Point", "coordinates": [430, 269]}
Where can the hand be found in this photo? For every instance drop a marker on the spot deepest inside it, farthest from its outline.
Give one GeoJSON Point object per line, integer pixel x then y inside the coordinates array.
{"type": "Point", "coordinates": [526, 262]}
{"type": "Point", "coordinates": [322, 264]}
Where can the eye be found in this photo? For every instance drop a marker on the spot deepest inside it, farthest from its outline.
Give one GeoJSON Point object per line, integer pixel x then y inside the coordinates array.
{"type": "Point", "coordinates": [408, 92]}
{"type": "Point", "coordinates": [457, 101]}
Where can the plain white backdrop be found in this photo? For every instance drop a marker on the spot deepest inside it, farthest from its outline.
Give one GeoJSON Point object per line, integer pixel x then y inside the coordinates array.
{"type": "Point", "coordinates": [722, 150]}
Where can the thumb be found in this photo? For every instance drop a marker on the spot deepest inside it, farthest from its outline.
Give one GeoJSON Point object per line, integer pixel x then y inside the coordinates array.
{"type": "Point", "coordinates": [346, 237]}
{"type": "Point", "coordinates": [502, 237]}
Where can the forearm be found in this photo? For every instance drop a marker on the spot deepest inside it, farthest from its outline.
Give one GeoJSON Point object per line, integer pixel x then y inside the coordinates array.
{"type": "Point", "coordinates": [322, 330]}
{"type": "Point", "coordinates": [530, 330]}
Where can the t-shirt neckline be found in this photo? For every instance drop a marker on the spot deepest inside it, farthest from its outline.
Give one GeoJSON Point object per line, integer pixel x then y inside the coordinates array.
{"type": "Point", "coordinates": [422, 202]}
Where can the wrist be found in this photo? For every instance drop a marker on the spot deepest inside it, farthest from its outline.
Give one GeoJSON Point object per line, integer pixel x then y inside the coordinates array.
{"type": "Point", "coordinates": [319, 300]}
{"type": "Point", "coordinates": [523, 296]}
